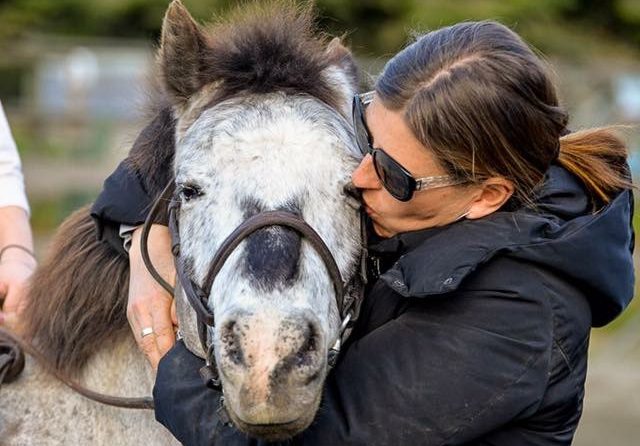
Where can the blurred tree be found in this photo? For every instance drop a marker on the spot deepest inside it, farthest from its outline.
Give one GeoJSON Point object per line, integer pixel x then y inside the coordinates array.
{"type": "Point", "coordinates": [377, 26]}
{"type": "Point", "coordinates": [618, 17]}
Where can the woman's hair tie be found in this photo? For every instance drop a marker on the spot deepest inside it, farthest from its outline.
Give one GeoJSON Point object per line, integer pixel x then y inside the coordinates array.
{"type": "Point", "coordinates": [564, 132]}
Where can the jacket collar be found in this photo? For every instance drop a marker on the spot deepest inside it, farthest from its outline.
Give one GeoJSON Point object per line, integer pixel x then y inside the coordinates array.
{"type": "Point", "coordinates": [437, 260]}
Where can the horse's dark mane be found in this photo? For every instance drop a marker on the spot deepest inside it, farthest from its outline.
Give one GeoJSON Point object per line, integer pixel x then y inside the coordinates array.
{"type": "Point", "coordinates": [78, 296]}
{"type": "Point", "coordinates": [77, 300]}
{"type": "Point", "coordinates": [151, 156]}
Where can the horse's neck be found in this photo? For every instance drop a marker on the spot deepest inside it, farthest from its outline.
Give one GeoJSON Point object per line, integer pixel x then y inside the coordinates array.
{"type": "Point", "coordinates": [119, 369]}
{"type": "Point", "coordinates": [38, 409]}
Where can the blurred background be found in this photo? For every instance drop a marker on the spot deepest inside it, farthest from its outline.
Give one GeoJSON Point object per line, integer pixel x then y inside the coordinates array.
{"type": "Point", "coordinates": [73, 76]}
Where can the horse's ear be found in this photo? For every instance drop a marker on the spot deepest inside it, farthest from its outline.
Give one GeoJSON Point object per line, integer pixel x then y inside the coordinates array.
{"type": "Point", "coordinates": [181, 51]}
{"type": "Point", "coordinates": [342, 72]}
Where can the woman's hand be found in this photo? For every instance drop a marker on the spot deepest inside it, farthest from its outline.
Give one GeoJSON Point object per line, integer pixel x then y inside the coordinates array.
{"type": "Point", "coordinates": [16, 267]}
{"type": "Point", "coordinates": [17, 263]}
{"type": "Point", "coordinates": [149, 305]}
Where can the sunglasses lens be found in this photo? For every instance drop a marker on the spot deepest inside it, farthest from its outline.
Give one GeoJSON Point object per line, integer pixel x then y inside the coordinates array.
{"type": "Point", "coordinates": [362, 136]}
{"type": "Point", "coordinates": [392, 175]}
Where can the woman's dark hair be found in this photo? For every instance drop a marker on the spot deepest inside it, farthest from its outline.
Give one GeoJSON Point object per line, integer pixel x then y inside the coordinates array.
{"type": "Point", "coordinates": [478, 96]}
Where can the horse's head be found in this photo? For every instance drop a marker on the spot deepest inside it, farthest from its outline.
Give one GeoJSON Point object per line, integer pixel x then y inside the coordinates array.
{"type": "Point", "coordinates": [262, 110]}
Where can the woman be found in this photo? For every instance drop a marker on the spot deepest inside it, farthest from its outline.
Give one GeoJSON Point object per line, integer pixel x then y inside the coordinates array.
{"type": "Point", "coordinates": [17, 260]}
{"type": "Point", "coordinates": [500, 239]}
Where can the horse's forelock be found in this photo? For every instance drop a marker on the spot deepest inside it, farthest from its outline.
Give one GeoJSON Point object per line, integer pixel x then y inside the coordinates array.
{"type": "Point", "coordinates": [261, 47]}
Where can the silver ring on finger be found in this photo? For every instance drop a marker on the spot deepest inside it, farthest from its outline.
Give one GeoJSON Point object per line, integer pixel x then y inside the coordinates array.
{"type": "Point", "coordinates": [146, 331]}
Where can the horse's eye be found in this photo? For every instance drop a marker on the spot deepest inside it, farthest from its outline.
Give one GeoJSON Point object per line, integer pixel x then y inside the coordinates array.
{"type": "Point", "coordinates": [189, 192]}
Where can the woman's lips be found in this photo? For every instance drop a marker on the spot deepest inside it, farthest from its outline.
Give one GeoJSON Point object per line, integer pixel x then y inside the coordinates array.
{"type": "Point", "coordinates": [368, 210]}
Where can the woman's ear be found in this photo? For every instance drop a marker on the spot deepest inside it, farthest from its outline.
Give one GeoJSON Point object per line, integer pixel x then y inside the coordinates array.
{"type": "Point", "coordinates": [490, 197]}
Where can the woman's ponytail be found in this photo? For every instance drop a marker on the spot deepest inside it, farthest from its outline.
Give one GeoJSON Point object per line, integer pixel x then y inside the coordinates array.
{"type": "Point", "coordinates": [598, 157]}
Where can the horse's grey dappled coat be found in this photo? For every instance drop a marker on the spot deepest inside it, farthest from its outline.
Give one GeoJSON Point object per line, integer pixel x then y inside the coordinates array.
{"type": "Point", "coordinates": [254, 115]}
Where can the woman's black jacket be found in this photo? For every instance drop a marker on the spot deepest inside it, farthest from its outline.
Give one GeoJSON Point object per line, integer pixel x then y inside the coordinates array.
{"type": "Point", "coordinates": [474, 334]}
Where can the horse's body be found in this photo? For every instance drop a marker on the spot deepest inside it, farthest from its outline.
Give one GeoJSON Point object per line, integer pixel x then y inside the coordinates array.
{"type": "Point", "coordinates": [37, 409]}
{"type": "Point", "coordinates": [40, 410]}
{"type": "Point", "coordinates": [254, 117]}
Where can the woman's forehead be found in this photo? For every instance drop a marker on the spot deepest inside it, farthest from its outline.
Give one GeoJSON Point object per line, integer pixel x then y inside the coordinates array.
{"type": "Point", "coordinates": [391, 133]}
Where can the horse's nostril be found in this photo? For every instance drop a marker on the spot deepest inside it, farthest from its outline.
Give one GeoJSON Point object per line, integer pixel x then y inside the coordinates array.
{"type": "Point", "coordinates": [306, 354]}
{"type": "Point", "coordinates": [310, 343]}
{"type": "Point", "coordinates": [287, 348]}
{"type": "Point", "coordinates": [231, 347]}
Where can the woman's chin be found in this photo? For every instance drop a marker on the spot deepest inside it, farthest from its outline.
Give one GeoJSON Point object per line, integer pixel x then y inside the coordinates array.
{"type": "Point", "coordinates": [381, 230]}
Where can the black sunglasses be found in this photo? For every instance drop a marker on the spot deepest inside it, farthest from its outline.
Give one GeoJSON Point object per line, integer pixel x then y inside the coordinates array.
{"type": "Point", "coordinates": [396, 179]}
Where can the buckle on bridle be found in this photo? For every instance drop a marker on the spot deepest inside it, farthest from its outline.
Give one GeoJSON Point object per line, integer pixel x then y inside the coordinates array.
{"type": "Point", "coordinates": [334, 351]}
{"type": "Point", "coordinates": [209, 372]}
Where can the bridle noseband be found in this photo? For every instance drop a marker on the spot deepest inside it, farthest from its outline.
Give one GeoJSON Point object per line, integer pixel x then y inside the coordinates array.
{"type": "Point", "coordinates": [198, 296]}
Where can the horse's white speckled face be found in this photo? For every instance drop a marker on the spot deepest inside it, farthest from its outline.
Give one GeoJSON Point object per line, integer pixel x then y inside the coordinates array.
{"type": "Point", "coordinates": [274, 303]}
{"type": "Point", "coordinates": [260, 105]}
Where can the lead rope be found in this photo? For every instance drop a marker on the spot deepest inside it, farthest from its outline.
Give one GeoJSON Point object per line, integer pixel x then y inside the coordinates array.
{"type": "Point", "coordinates": [11, 359]}
{"type": "Point", "coordinates": [15, 342]}
{"type": "Point", "coordinates": [12, 348]}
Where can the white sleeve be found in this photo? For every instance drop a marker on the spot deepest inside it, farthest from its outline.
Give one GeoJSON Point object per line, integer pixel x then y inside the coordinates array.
{"type": "Point", "coordinates": [126, 234]}
{"type": "Point", "coordinates": [12, 191]}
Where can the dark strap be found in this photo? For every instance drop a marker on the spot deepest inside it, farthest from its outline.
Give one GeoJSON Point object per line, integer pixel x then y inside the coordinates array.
{"type": "Point", "coordinates": [11, 360]}
{"type": "Point", "coordinates": [195, 295]}
{"type": "Point", "coordinates": [13, 342]}
{"type": "Point", "coordinates": [198, 295]}
{"type": "Point", "coordinates": [275, 218]}
{"type": "Point", "coordinates": [163, 200]}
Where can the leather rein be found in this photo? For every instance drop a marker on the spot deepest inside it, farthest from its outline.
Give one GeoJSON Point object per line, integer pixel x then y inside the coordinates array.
{"type": "Point", "coordinates": [12, 348]}
{"type": "Point", "coordinates": [198, 296]}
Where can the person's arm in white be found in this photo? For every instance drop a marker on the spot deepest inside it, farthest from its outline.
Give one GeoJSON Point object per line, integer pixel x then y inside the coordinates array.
{"type": "Point", "coordinates": [16, 243]}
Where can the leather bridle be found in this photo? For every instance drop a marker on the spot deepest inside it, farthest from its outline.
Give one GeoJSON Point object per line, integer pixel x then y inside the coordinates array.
{"type": "Point", "coordinates": [348, 295]}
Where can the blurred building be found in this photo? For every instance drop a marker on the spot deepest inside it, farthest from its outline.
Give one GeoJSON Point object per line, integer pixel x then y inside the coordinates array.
{"type": "Point", "coordinates": [92, 82]}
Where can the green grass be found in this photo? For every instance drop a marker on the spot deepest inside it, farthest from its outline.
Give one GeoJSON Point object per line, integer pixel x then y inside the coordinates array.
{"type": "Point", "coordinates": [48, 214]}
{"type": "Point", "coordinates": [86, 141]}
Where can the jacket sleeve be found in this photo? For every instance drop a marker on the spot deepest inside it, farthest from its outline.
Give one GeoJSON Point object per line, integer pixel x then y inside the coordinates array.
{"type": "Point", "coordinates": [183, 404]}
{"type": "Point", "coordinates": [129, 192]}
{"type": "Point", "coordinates": [445, 371]}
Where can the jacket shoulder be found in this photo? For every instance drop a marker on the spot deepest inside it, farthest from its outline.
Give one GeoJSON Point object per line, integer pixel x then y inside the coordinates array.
{"type": "Point", "coordinates": [564, 309]}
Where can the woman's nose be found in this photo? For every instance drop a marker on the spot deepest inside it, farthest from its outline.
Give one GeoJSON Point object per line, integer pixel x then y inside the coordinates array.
{"type": "Point", "coordinates": [365, 176]}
